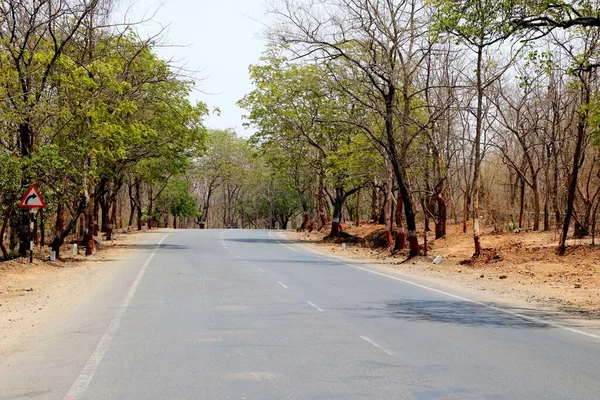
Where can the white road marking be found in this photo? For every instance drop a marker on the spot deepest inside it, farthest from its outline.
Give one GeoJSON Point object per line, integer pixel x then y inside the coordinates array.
{"type": "Point", "coordinates": [284, 245]}
{"type": "Point", "coordinates": [90, 367]}
{"type": "Point", "coordinates": [222, 240]}
{"type": "Point", "coordinates": [262, 270]}
{"type": "Point", "coordinates": [237, 256]}
{"type": "Point", "coordinates": [310, 303]}
{"type": "Point", "coordinates": [502, 310]}
{"type": "Point", "coordinates": [373, 343]}
{"type": "Point", "coordinates": [282, 285]}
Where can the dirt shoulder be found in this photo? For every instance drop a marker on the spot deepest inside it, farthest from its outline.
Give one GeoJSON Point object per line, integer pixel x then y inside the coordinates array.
{"type": "Point", "coordinates": [523, 269]}
{"type": "Point", "coordinates": [31, 294]}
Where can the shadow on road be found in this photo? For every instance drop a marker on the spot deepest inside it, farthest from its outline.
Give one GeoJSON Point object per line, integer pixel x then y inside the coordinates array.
{"type": "Point", "coordinates": [468, 314]}
{"type": "Point", "coordinates": [303, 261]}
{"type": "Point", "coordinates": [262, 240]}
{"type": "Point", "coordinates": [150, 246]}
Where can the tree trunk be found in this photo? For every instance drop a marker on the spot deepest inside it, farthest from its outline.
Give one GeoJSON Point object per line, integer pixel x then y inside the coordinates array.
{"type": "Point", "coordinates": [389, 190]}
{"type": "Point", "coordinates": [119, 221]}
{"type": "Point", "coordinates": [400, 233]}
{"type": "Point", "coordinates": [58, 229]}
{"type": "Point", "coordinates": [321, 201]}
{"type": "Point", "coordinates": [138, 197]}
{"type": "Point", "coordinates": [91, 203]}
{"type": "Point", "coordinates": [358, 209]}
{"type": "Point", "coordinates": [577, 161]}
{"type": "Point", "coordinates": [305, 217]}
{"type": "Point", "coordinates": [337, 219]}
{"type": "Point", "coordinates": [536, 203]}
{"type": "Point", "coordinates": [114, 201]}
{"type": "Point", "coordinates": [104, 212]}
{"type": "Point", "coordinates": [13, 238]}
{"type": "Point", "coordinates": [521, 203]}
{"type": "Point", "coordinates": [465, 211]}
{"type": "Point", "coordinates": [594, 220]}
{"type": "Point", "coordinates": [23, 232]}
{"type": "Point", "coordinates": [557, 216]}
{"type": "Point", "coordinates": [89, 237]}
{"type": "Point", "coordinates": [150, 206]}
{"type": "Point", "coordinates": [26, 147]}
{"type": "Point", "coordinates": [442, 217]}
{"type": "Point", "coordinates": [374, 204]}
{"type": "Point", "coordinates": [103, 200]}
{"type": "Point", "coordinates": [390, 100]}
{"type": "Point", "coordinates": [42, 228]}
{"type": "Point", "coordinates": [393, 153]}
{"type": "Point", "coordinates": [477, 155]}
{"type": "Point", "coordinates": [3, 230]}
{"type": "Point", "coordinates": [426, 222]}
{"type": "Point", "coordinates": [132, 206]}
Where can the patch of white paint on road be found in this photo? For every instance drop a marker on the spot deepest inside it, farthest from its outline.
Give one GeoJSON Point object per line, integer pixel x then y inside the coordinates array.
{"type": "Point", "coordinates": [282, 285]}
{"type": "Point", "coordinates": [283, 244]}
{"type": "Point", "coordinates": [373, 343]}
{"type": "Point", "coordinates": [310, 303]}
{"type": "Point", "coordinates": [90, 367]}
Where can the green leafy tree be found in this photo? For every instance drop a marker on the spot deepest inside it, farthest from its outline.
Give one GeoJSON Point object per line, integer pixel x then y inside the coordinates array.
{"type": "Point", "coordinates": [293, 103]}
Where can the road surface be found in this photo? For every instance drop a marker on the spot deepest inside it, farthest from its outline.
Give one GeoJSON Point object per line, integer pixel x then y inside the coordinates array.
{"type": "Point", "coordinates": [248, 315]}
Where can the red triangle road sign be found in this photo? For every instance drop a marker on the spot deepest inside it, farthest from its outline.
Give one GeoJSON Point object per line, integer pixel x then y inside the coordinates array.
{"type": "Point", "coordinates": [32, 199]}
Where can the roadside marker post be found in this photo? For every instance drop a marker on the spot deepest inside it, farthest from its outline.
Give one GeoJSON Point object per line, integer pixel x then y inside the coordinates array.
{"type": "Point", "coordinates": [32, 200]}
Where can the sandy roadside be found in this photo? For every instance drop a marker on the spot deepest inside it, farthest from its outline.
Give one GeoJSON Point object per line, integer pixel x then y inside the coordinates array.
{"type": "Point", "coordinates": [579, 307]}
{"type": "Point", "coordinates": [32, 294]}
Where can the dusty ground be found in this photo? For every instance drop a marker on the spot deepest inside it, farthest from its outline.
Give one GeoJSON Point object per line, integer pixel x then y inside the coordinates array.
{"type": "Point", "coordinates": [526, 267]}
{"type": "Point", "coordinates": [31, 294]}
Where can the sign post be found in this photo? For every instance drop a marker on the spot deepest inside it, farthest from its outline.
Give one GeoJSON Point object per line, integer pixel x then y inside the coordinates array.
{"type": "Point", "coordinates": [32, 200]}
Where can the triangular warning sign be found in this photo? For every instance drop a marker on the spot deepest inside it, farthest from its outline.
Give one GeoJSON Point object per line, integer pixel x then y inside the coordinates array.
{"type": "Point", "coordinates": [32, 199]}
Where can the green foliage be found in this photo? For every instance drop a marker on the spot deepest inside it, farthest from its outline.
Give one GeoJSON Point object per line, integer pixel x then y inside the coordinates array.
{"type": "Point", "coordinates": [476, 23]}
{"type": "Point", "coordinates": [294, 107]}
{"type": "Point", "coordinates": [177, 200]}
{"type": "Point", "coordinates": [95, 110]}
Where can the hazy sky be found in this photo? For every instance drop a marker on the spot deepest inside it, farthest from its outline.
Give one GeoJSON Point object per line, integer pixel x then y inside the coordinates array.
{"type": "Point", "coordinates": [221, 38]}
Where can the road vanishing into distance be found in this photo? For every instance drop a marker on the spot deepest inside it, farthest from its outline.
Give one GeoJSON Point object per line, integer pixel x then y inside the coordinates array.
{"type": "Point", "coordinates": [247, 314]}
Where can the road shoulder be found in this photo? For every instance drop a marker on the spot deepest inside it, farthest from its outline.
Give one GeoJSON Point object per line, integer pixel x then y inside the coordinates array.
{"type": "Point", "coordinates": [31, 295]}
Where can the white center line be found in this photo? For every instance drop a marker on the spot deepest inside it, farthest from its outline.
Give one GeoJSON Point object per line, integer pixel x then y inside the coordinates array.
{"type": "Point", "coordinates": [282, 285]}
{"type": "Point", "coordinates": [373, 343]}
{"type": "Point", "coordinates": [90, 367]}
{"type": "Point", "coordinates": [310, 303]}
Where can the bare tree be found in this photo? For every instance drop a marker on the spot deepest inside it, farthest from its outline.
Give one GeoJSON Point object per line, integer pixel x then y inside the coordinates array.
{"type": "Point", "coordinates": [382, 46]}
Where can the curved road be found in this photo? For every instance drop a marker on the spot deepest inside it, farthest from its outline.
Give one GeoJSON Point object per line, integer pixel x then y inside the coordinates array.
{"type": "Point", "coordinates": [243, 314]}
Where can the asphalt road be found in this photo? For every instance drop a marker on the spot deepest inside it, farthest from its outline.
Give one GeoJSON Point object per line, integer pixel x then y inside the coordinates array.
{"type": "Point", "coordinates": [240, 315]}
